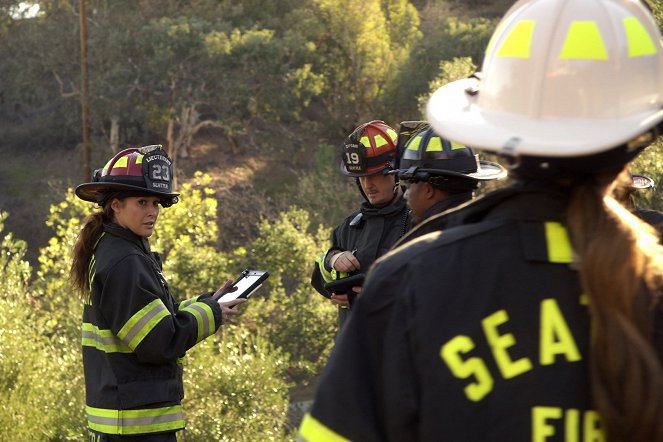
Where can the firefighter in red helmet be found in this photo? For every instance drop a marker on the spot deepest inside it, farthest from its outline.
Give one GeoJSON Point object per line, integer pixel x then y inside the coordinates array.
{"type": "Point", "coordinates": [134, 333]}
{"type": "Point", "coordinates": [368, 155]}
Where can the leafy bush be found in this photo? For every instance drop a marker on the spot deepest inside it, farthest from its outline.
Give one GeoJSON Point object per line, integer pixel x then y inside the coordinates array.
{"type": "Point", "coordinates": [288, 312]}
{"type": "Point", "coordinates": [235, 389]}
{"type": "Point", "coordinates": [40, 377]}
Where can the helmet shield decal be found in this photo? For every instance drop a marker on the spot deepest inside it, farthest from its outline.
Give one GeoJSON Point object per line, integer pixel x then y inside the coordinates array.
{"type": "Point", "coordinates": [354, 157]}
{"type": "Point", "coordinates": [158, 171]}
{"type": "Point", "coordinates": [134, 171]}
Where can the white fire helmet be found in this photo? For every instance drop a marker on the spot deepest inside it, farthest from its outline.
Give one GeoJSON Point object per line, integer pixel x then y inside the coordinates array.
{"type": "Point", "coordinates": [560, 78]}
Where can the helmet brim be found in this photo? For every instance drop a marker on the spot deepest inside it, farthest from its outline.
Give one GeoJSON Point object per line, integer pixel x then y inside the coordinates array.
{"type": "Point", "coordinates": [345, 171]}
{"type": "Point", "coordinates": [641, 182]}
{"type": "Point", "coordinates": [454, 113]}
{"type": "Point", "coordinates": [93, 191]}
{"type": "Point", "coordinates": [487, 171]}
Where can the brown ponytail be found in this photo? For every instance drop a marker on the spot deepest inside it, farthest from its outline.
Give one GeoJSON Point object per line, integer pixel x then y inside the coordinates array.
{"type": "Point", "coordinates": [621, 265]}
{"type": "Point", "coordinates": [84, 248]}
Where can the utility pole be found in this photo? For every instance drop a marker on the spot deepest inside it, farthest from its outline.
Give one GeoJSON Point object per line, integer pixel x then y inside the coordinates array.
{"type": "Point", "coordinates": [84, 94]}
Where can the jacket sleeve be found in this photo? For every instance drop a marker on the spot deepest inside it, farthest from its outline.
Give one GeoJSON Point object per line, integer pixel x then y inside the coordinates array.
{"type": "Point", "coordinates": [322, 272]}
{"type": "Point", "coordinates": [138, 309]}
{"type": "Point", "coordinates": [367, 391]}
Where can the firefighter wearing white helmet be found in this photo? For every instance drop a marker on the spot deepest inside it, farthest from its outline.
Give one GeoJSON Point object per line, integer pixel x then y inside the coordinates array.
{"type": "Point", "coordinates": [534, 315]}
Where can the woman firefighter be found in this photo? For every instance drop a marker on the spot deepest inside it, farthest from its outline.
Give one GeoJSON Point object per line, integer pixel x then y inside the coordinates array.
{"type": "Point", "coordinates": [134, 333]}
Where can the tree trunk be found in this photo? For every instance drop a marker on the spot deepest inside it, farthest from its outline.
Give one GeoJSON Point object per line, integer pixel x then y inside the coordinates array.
{"type": "Point", "coordinates": [115, 133]}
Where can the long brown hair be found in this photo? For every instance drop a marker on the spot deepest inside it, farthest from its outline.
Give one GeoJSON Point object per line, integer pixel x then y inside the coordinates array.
{"type": "Point", "coordinates": [84, 247]}
{"type": "Point", "coordinates": [621, 270]}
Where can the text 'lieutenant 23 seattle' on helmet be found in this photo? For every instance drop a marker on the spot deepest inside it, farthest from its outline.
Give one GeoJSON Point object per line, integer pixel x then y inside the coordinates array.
{"type": "Point", "coordinates": [141, 171]}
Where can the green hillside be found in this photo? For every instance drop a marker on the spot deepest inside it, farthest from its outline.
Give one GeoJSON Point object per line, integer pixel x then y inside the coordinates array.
{"type": "Point", "coordinates": [258, 101]}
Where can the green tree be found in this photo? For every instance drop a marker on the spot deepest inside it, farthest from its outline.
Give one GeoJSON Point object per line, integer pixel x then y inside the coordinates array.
{"type": "Point", "coordinates": [287, 311]}
{"type": "Point", "coordinates": [444, 39]}
{"type": "Point", "coordinates": [450, 70]}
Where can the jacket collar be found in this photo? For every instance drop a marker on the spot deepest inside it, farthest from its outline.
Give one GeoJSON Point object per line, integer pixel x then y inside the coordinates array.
{"type": "Point", "coordinates": [394, 207]}
{"type": "Point", "coordinates": [452, 200]}
{"type": "Point", "coordinates": [523, 200]}
{"type": "Point", "coordinates": [121, 232]}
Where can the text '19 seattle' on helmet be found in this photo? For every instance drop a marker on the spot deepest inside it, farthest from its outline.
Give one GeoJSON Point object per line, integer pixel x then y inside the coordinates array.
{"type": "Point", "coordinates": [369, 149]}
{"type": "Point", "coordinates": [445, 164]}
{"type": "Point", "coordinates": [133, 172]}
{"type": "Point", "coordinates": [574, 80]}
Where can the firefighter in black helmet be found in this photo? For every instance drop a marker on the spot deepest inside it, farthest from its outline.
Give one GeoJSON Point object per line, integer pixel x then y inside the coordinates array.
{"type": "Point", "coordinates": [368, 156]}
{"type": "Point", "coordinates": [439, 175]}
{"type": "Point", "coordinates": [536, 314]}
{"type": "Point", "coordinates": [134, 333]}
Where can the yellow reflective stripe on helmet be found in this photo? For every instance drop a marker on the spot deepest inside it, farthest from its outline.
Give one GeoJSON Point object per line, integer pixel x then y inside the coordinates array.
{"type": "Point", "coordinates": [392, 134]}
{"type": "Point", "coordinates": [122, 162]}
{"type": "Point", "coordinates": [640, 43]}
{"type": "Point", "coordinates": [517, 44]}
{"type": "Point", "coordinates": [584, 42]}
{"type": "Point", "coordinates": [558, 243]}
{"type": "Point", "coordinates": [314, 431]}
{"type": "Point", "coordinates": [141, 323]}
{"type": "Point", "coordinates": [380, 141]}
{"type": "Point", "coordinates": [365, 141]}
{"type": "Point", "coordinates": [103, 340]}
{"type": "Point", "coordinates": [455, 145]}
{"type": "Point", "coordinates": [150, 420]}
{"type": "Point", "coordinates": [139, 158]}
{"type": "Point", "coordinates": [434, 145]}
{"type": "Point", "coordinates": [204, 317]}
{"type": "Point", "coordinates": [495, 37]}
{"type": "Point", "coordinates": [414, 143]}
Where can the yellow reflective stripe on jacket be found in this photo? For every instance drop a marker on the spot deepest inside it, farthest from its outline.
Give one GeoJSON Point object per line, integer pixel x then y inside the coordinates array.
{"type": "Point", "coordinates": [326, 274]}
{"type": "Point", "coordinates": [329, 276]}
{"type": "Point", "coordinates": [204, 317]}
{"type": "Point", "coordinates": [103, 340]}
{"type": "Point", "coordinates": [558, 243]}
{"type": "Point", "coordinates": [149, 420]}
{"type": "Point", "coordinates": [91, 270]}
{"type": "Point", "coordinates": [141, 323]}
{"type": "Point", "coordinates": [187, 302]}
{"type": "Point", "coordinates": [314, 431]}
